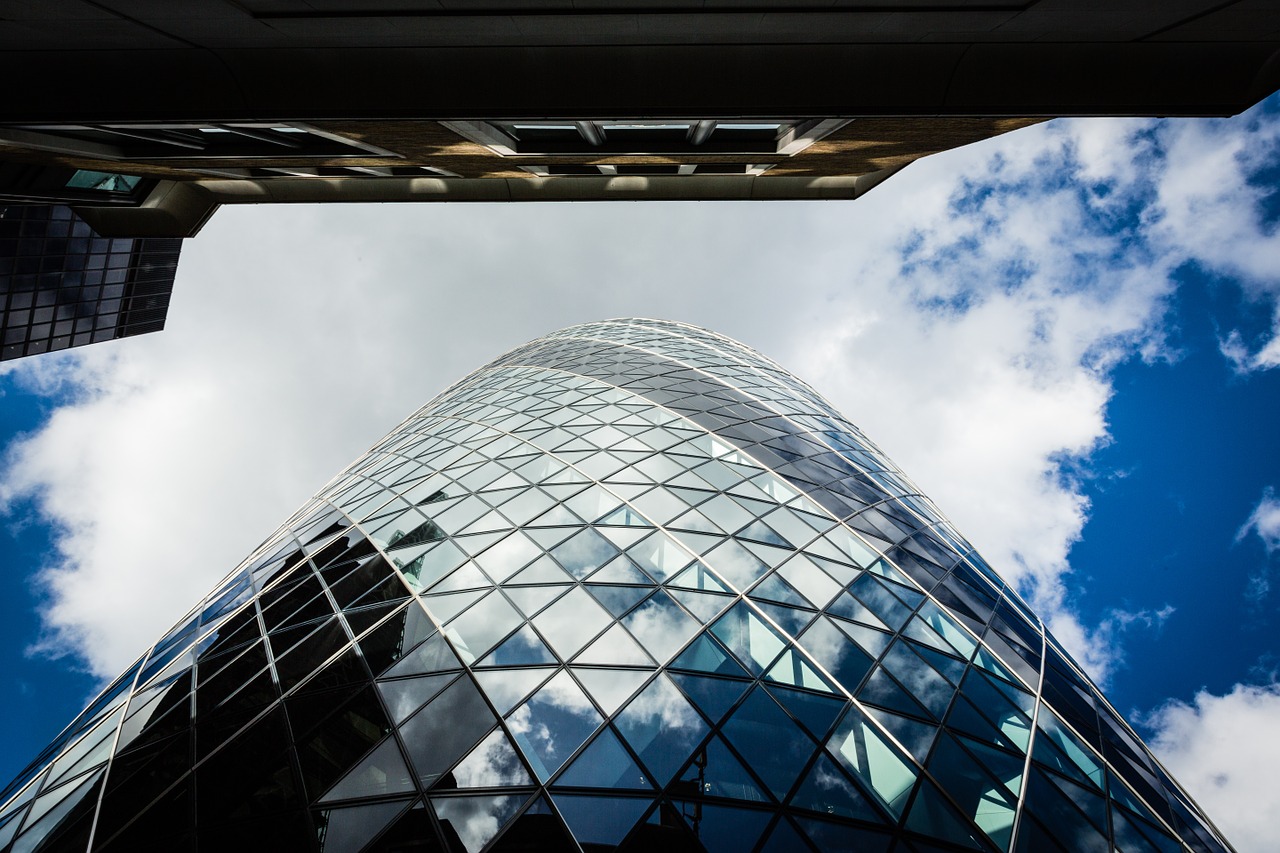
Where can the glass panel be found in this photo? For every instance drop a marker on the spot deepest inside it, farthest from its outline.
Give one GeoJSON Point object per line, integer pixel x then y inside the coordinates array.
{"type": "Point", "coordinates": [492, 764]}
{"type": "Point", "coordinates": [507, 557]}
{"type": "Point", "coordinates": [506, 687]}
{"type": "Point", "coordinates": [863, 751]}
{"type": "Point", "coordinates": [660, 556]}
{"type": "Point", "coordinates": [611, 687]}
{"type": "Point", "coordinates": [445, 729]}
{"type": "Point", "coordinates": [602, 821]}
{"type": "Point", "coordinates": [342, 830]}
{"type": "Point", "coordinates": [736, 564]}
{"type": "Point", "coordinates": [383, 771]}
{"type": "Point", "coordinates": [404, 696]}
{"type": "Point", "coordinates": [749, 637]}
{"type": "Point", "coordinates": [772, 744]}
{"type": "Point", "coordinates": [827, 790]}
{"type": "Point", "coordinates": [571, 622]}
{"type": "Point", "coordinates": [476, 820]}
{"type": "Point", "coordinates": [553, 724]}
{"type": "Point", "coordinates": [531, 599]}
{"type": "Point", "coordinates": [715, 772]}
{"type": "Point", "coordinates": [661, 626]}
{"type": "Point", "coordinates": [662, 727]}
{"type": "Point", "coordinates": [605, 763]}
{"type": "Point", "coordinates": [475, 631]}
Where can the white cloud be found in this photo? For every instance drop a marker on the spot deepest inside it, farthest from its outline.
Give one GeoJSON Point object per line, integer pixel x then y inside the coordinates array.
{"type": "Point", "coordinates": [1264, 522]}
{"type": "Point", "coordinates": [1224, 750]}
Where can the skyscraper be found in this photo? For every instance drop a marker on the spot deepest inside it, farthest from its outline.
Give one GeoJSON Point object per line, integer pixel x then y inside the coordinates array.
{"type": "Point", "coordinates": [64, 285]}
{"type": "Point", "coordinates": [630, 586]}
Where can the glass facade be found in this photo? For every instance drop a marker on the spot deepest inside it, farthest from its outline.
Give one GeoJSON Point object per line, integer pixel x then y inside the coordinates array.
{"type": "Point", "coordinates": [629, 587]}
{"type": "Point", "coordinates": [64, 285]}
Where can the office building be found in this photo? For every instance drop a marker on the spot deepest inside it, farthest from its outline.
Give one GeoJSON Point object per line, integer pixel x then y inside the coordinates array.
{"type": "Point", "coordinates": [630, 586]}
{"type": "Point", "coordinates": [64, 285]}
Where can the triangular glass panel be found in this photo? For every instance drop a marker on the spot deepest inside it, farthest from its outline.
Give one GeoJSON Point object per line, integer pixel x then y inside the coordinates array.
{"type": "Point", "coordinates": [755, 643]}
{"type": "Point", "coordinates": [817, 712]}
{"type": "Point", "coordinates": [432, 656]}
{"type": "Point", "coordinates": [448, 605]}
{"type": "Point", "coordinates": [696, 522]}
{"type": "Point", "coordinates": [623, 538]}
{"type": "Point", "coordinates": [773, 588]}
{"type": "Point", "coordinates": [553, 723]}
{"type": "Point", "coordinates": [615, 647]}
{"type": "Point", "coordinates": [341, 830]}
{"type": "Point", "coordinates": [660, 625]}
{"type": "Point", "coordinates": [827, 790]}
{"type": "Point", "coordinates": [659, 555]}
{"type": "Point", "coordinates": [697, 577]}
{"type": "Point", "coordinates": [474, 543]}
{"type": "Point", "coordinates": [502, 560]}
{"type": "Point", "coordinates": [871, 641]}
{"type": "Point", "coordinates": [915, 736]}
{"type": "Point", "coordinates": [772, 744]}
{"type": "Point", "coordinates": [611, 687]}
{"type": "Point", "coordinates": [605, 763]}
{"type": "Point", "coordinates": [446, 729]}
{"type": "Point", "coordinates": [713, 696]}
{"type": "Point", "coordinates": [713, 771]}
{"type": "Point", "coordinates": [584, 553]}
{"type": "Point", "coordinates": [785, 839]}
{"type": "Point", "coordinates": [557, 517]}
{"type": "Point", "coordinates": [881, 690]}
{"type": "Point", "coordinates": [600, 823]}
{"type": "Point", "coordinates": [537, 829]}
{"type": "Point", "coordinates": [494, 763]}
{"type": "Point", "coordinates": [543, 570]}
{"type": "Point", "coordinates": [933, 816]}
{"type": "Point", "coordinates": [523, 648]}
{"type": "Point", "coordinates": [758, 531]}
{"type": "Point", "coordinates": [404, 696]}
{"type": "Point", "coordinates": [736, 564]}
{"type": "Point", "coordinates": [618, 599]}
{"type": "Point", "coordinates": [848, 607]}
{"type": "Point", "coordinates": [790, 619]}
{"type": "Point", "coordinates": [625, 516]}
{"type": "Point", "coordinates": [706, 655]}
{"type": "Point", "coordinates": [475, 821]}
{"type": "Point", "coordinates": [704, 605]}
{"type": "Point", "coordinates": [698, 543]}
{"type": "Point", "coordinates": [531, 599]}
{"type": "Point", "coordinates": [467, 577]}
{"type": "Point", "coordinates": [829, 835]}
{"type": "Point", "coordinates": [621, 570]}
{"type": "Point", "coordinates": [721, 829]}
{"type": "Point", "coordinates": [662, 728]}
{"type": "Point", "coordinates": [381, 772]}
{"type": "Point", "coordinates": [794, 670]}
{"type": "Point", "coordinates": [505, 688]}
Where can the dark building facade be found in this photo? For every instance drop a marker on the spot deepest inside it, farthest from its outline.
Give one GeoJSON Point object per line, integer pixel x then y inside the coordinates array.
{"type": "Point", "coordinates": [629, 587]}
{"type": "Point", "coordinates": [261, 101]}
{"type": "Point", "coordinates": [64, 285]}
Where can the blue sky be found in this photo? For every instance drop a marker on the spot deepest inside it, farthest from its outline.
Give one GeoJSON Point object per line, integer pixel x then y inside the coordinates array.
{"type": "Point", "coordinates": [1068, 336]}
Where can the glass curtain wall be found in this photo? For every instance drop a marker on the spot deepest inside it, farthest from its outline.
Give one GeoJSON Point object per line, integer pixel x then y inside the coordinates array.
{"type": "Point", "coordinates": [629, 587]}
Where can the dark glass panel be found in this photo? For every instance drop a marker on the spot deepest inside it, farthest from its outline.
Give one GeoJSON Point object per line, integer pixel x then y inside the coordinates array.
{"type": "Point", "coordinates": [166, 823]}
{"type": "Point", "coordinates": [1061, 815]}
{"type": "Point", "coordinates": [553, 723]}
{"type": "Point", "coordinates": [387, 643]}
{"type": "Point", "coordinates": [933, 816]}
{"type": "Point", "coordinates": [412, 832]}
{"type": "Point", "coordinates": [339, 740]}
{"type": "Point", "coordinates": [538, 830]}
{"type": "Point", "coordinates": [827, 835]}
{"type": "Point", "coordinates": [662, 727]}
{"type": "Point", "coordinates": [714, 771]}
{"type": "Point", "coordinates": [404, 696]}
{"type": "Point", "coordinates": [719, 829]}
{"type": "Point", "coordinates": [523, 648]}
{"type": "Point", "coordinates": [137, 779]}
{"type": "Point", "coordinates": [251, 777]}
{"type": "Point", "coordinates": [713, 696]}
{"type": "Point", "coordinates": [816, 712]}
{"type": "Point", "coordinates": [381, 772]}
{"type": "Point", "coordinates": [706, 655]}
{"type": "Point", "coordinates": [349, 829]}
{"type": "Point", "coordinates": [785, 839]}
{"type": "Point", "coordinates": [469, 823]}
{"type": "Point", "coordinates": [306, 657]}
{"type": "Point", "coordinates": [773, 745]}
{"type": "Point", "coordinates": [600, 823]}
{"type": "Point", "coordinates": [605, 763]}
{"type": "Point", "coordinates": [433, 655]}
{"type": "Point", "coordinates": [446, 729]}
